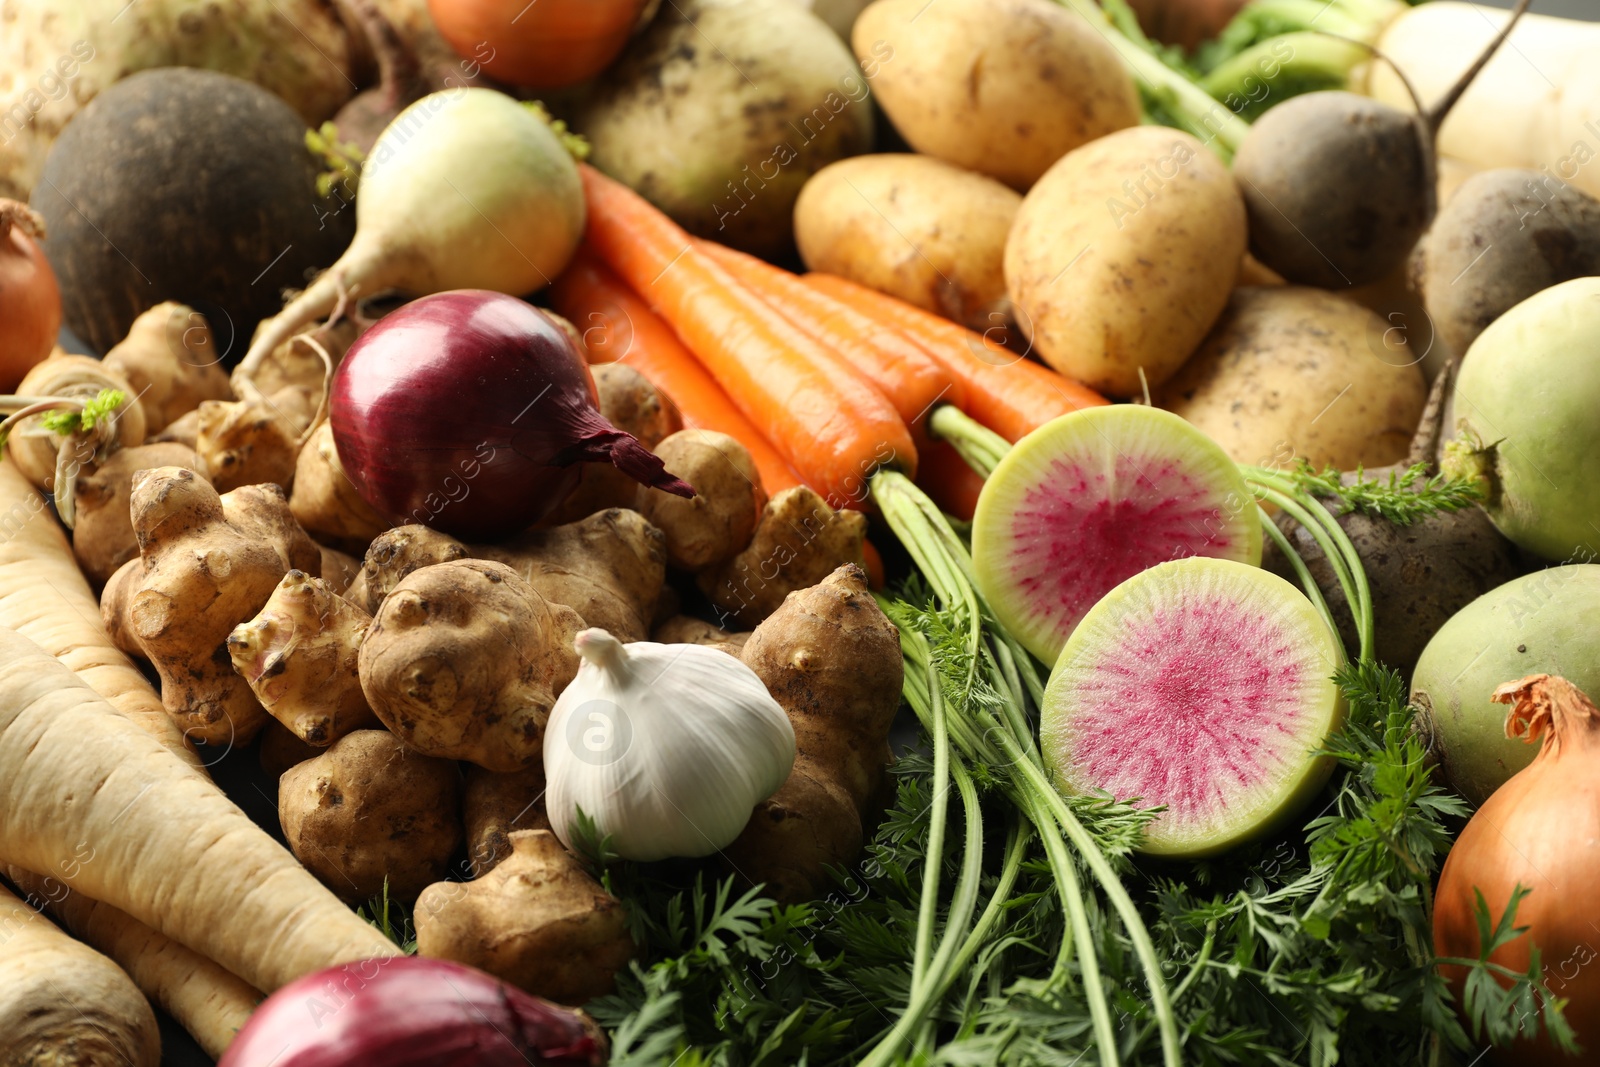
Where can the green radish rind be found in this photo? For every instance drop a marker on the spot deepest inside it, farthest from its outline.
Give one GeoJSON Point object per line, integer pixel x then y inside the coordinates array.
{"type": "Point", "coordinates": [1525, 401]}
{"type": "Point", "coordinates": [1113, 473]}
{"type": "Point", "coordinates": [1202, 685]}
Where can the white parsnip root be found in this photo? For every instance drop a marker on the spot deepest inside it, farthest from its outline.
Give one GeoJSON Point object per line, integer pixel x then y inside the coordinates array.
{"type": "Point", "coordinates": [205, 999]}
{"type": "Point", "coordinates": [44, 597]}
{"type": "Point", "coordinates": [61, 1002]}
{"type": "Point", "coordinates": [130, 825]}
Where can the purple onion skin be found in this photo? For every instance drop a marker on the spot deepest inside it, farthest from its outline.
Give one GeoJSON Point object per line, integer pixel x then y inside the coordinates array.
{"type": "Point", "coordinates": [406, 1011]}
{"type": "Point", "coordinates": [470, 412]}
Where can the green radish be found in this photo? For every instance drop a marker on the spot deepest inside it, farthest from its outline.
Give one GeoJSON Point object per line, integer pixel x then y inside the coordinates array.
{"type": "Point", "coordinates": [1525, 403]}
{"type": "Point", "coordinates": [1095, 497]}
{"type": "Point", "coordinates": [1203, 686]}
{"type": "Point", "coordinates": [1541, 623]}
{"type": "Point", "coordinates": [465, 189]}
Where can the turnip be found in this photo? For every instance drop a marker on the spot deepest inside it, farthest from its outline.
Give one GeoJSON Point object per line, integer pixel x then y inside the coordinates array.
{"type": "Point", "coordinates": [1339, 187]}
{"type": "Point", "coordinates": [466, 189]}
{"type": "Point", "coordinates": [1093, 498]}
{"type": "Point", "coordinates": [1525, 404]}
{"type": "Point", "coordinates": [1543, 623]}
{"type": "Point", "coordinates": [1202, 685]}
{"type": "Point", "coordinates": [56, 57]}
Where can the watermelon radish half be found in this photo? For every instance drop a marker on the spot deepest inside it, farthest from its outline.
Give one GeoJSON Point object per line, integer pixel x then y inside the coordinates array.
{"type": "Point", "coordinates": [1093, 498]}
{"type": "Point", "coordinates": [1201, 685]}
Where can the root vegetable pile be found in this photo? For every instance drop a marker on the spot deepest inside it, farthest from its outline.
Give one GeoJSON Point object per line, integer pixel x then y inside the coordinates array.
{"type": "Point", "coordinates": [849, 532]}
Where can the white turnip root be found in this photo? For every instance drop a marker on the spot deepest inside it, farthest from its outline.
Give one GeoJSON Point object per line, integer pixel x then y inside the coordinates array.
{"type": "Point", "coordinates": [466, 189]}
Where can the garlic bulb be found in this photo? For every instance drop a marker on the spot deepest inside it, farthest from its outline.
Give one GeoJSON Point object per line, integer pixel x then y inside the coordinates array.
{"type": "Point", "coordinates": [666, 747]}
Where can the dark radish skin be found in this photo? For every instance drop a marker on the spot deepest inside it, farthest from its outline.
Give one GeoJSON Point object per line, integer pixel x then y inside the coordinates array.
{"type": "Point", "coordinates": [406, 1011]}
{"type": "Point", "coordinates": [186, 185]}
{"type": "Point", "coordinates": [1339, 187]}
{"type": "Point", "coordinates": [1504, 236]}
{"type": "Point", "coordinates": [472, 412]}
{"type": "Point", "coordinates": [1421, 574]}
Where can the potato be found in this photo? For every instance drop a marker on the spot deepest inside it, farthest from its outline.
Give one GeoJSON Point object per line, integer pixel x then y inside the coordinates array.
{"type": "Point", "coordinates": [722, 109]}
{"type": "Point", "coordinates": [1300, 372]}
{"type": "Point", "coordinates": [929, 233]}
{"type": "Point", "coordinates": [1123, 255]}
{"type": "Point", "coordinates": [1002, 87]}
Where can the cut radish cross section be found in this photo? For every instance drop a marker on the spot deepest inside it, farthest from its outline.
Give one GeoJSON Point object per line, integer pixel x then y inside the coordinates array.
{"type": "Point", "coordinates": [1202, 686]}
{"type": "Point", "coordinates": [1093, 498]}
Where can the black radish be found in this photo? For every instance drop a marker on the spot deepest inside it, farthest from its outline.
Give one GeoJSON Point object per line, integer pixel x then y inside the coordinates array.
{"type": "Point", "coordinates": [184, 185]}
{"type": "Point", "coordinates": [1340, 187]}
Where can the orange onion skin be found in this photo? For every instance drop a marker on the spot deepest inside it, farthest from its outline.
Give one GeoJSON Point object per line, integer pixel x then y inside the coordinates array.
{"type": "Point", "coordinates": [1540, 830]}
{"type": "Point", "coordinates": [30, 297]}
{"type": "Point", "coordinates": [549, 45]}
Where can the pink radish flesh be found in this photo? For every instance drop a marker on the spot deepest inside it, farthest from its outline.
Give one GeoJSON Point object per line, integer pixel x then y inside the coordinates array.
{"type": "Point", "coordinates": [1093, 498]}
{"type": "Point", "coordinates": [1201, 686]}
{"type": "Point", "coordinates": [1083, 532]}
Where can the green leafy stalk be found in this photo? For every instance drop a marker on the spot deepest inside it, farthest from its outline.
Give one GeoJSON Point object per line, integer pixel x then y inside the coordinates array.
{"type": "Point", "coordinates": [1403, 498]}
{"type": "Point", "coordinates": [1187, 104]}
{"type": "Point", "coordinates": [979, 446]}
{"type": "Point", "coordinates": [73, 420]}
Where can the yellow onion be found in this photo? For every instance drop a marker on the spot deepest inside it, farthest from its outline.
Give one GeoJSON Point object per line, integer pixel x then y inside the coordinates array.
{"type": "Point", "coordinates": [1540, 831]}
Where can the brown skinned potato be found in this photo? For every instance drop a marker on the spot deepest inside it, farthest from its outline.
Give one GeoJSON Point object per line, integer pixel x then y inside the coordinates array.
{"type": "Point", "coordinates": [1001, 87]}
{"type": "Point", "coordinates": [914, 227]}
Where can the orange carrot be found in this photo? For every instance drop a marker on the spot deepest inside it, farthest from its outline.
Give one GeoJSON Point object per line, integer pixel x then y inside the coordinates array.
{"type": "Point", "coordinates": [618, 327]}
{"type": "Point", "coordinates": [834, 428]}
{"type": "Point", "coordinates": [1006, 392]}
{"type": "Point", "coordinates": [949, 480]}
{"type": "Point", "coordinates": [912, 380]}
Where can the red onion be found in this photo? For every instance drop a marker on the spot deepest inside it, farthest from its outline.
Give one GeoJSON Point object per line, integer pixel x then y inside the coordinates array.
{"type": "Point", "coordinates": [470, 411]}
{"type": "Point", "coordinates": [405, 1010]}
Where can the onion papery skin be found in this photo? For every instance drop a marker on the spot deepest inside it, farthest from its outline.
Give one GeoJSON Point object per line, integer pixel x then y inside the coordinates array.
{"type": "Point", "coordinates": [471, 412]}
{"type": "Point", "coordinates": [406, 1011]}
{"type": "Point", "coordinates": [1541, 829]}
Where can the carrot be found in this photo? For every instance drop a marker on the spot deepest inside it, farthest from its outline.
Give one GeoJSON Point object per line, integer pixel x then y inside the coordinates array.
{"type": "Point", "coordinates": [62, 1002]}
{"type": "Point", "coordinates": [44, 597]}
{"type": "Point", "coordinates": [834, 427]}
{"type": "Point", "coordinates": [619, 327]}
{"type": "Point", "coordinates": [1006, 392]}
{"type": "Point", "coordinates": [949, 480]}
{"type": "Point", "coordinates": [206, 1000]}
{"type": "Point", "coordinates": [912, 380]}
{"type": "Point", "coordinates": [88, 797]}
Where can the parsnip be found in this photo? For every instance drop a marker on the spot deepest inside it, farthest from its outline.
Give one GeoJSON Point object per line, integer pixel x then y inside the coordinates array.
{"type": "Point", "coordinates": [205, 999]}
{"type": "Point", "coordinates": [44, 597]}
{"type": "Point", "coordinates": [61, 1002]}
{"type": "Point", "coordinates": [87, 796]}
